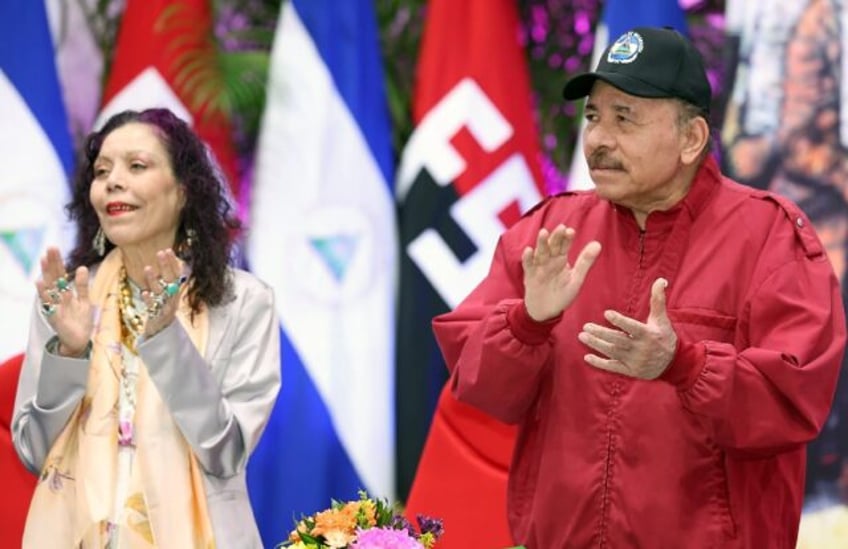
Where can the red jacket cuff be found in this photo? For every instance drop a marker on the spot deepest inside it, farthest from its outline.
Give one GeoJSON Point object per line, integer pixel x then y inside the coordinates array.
{"type": "Point", "coordinates": [686, 365]}
{"type": "Point", "coordinates": [527, 330]}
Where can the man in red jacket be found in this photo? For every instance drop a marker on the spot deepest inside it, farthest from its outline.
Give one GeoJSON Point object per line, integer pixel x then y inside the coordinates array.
{"type": "Point", "coordinates": [666, 343]}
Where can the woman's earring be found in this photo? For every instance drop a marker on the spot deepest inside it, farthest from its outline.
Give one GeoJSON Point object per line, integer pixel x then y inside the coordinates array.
{"type": "Point", "coordinates": [99, 242]}
{"type": "Point", "coordinates": [184, 248]}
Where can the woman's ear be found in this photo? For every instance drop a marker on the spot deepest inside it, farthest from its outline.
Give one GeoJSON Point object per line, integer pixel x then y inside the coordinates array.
{"type": "Point", "coordinates": [183, 195]}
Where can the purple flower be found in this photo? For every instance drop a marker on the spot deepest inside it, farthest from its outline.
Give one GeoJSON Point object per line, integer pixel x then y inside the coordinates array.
{"type": "Point", "coordinates": [399, 522]}
{"type": "Point", "coordinates": [430, 525]}
{"type": "Point", "coordinates": [384, 538]}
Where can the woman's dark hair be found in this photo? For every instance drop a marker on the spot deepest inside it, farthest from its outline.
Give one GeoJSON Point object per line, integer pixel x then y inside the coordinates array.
{"type": "Point", "coordinates": [207, 225]}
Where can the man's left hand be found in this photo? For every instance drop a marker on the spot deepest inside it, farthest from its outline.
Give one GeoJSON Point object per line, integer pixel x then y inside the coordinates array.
{"type": "Point", "coordinates": [637, 349]}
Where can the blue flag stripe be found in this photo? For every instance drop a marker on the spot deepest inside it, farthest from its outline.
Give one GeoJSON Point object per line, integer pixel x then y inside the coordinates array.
{"type": "Point", "coordinates": [622, 15]}
{"type": "Point", "coordinates": [299, 430]}
{"type": "Point", "coordinates": [27, 59]}
{"type": "Point", "coordinates": [349, 45]}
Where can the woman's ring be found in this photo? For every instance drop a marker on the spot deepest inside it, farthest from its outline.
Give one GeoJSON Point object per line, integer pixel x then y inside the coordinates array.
{"type": "Point", "coordinates": [62, 284]}
{"type": "Point", "coordinates": [156, 307]}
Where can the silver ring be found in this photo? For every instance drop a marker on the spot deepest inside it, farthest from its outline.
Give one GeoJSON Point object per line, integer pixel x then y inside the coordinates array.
{"type": "Point", "coordinates": [53, 294]}
{"type": "Point", "coordinates": [48, 309]}
{"type": "Point", "coordinates": [155, 310]}
{"type": "Point", "coordinates": [158, 303]}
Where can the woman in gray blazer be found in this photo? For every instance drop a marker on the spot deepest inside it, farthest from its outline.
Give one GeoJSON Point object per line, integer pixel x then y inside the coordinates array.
{"type": "Point", "coordinates": [152, 365]}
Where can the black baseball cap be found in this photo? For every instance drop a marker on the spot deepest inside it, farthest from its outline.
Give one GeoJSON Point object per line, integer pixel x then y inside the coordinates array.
{"type": "Point", "coordinates": [649, 62]}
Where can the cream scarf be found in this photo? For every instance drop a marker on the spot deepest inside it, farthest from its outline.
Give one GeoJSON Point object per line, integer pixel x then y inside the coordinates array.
{"type": "Point", "coordinates": [166, 505]}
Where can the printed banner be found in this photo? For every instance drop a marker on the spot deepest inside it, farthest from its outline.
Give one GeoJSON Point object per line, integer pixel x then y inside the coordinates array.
{"type": "Point", "coordinates": [786, 130]}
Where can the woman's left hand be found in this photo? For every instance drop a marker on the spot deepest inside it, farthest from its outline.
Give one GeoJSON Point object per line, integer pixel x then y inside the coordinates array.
{"type": "Point", "coordinates": [163, 297]}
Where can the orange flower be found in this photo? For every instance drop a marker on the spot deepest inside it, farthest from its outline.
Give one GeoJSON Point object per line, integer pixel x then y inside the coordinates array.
{"type": "Point", "coordinates": [335, 520]}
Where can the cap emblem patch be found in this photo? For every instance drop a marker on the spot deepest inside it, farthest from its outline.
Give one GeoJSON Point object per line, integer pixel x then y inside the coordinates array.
{"type": "Point", "coordinates": [626, 49]}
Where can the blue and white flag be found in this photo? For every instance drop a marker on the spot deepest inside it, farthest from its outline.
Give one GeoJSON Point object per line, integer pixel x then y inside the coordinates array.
{"type": "Point", "coordinates": [323, 234]}
{"type": "Point", "coordinates": [36, 157]}
{"type": "Point", "coordinates": [618, 17]}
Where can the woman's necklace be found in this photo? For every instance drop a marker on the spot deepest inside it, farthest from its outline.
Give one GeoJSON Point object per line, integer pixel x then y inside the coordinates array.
{"type": "Point", "coordinates": [132, 326]}
{"type": "Point", "coordinates": [132, 322]}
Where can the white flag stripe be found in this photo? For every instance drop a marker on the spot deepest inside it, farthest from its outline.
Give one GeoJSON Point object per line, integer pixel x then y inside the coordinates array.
{"type": "Point", "coordinates": [147, 90]}
{"type": "Point", "coordinates": [33, 193]}
{"type": "Point", "coordinates": [578, 176]}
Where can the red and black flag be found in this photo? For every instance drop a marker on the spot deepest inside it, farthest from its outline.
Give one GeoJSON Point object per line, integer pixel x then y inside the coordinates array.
{"type": "Point", "coordinates": [469, 170]}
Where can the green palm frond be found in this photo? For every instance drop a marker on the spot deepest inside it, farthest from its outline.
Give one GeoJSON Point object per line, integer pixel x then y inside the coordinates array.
{"type": "Point", "coordinates": [260, 37]}
{"type": "Point", "coordinates": [213, 81]}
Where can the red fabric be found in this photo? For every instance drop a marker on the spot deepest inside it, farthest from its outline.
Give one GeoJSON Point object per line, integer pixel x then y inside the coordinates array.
{"type": "Point", "coordinates": [174, 39]}
{"type": "Point", "coordinates": [713, 454]}
{"type": "Point", "coordinates": [461, 477]}
{"type": "Point", "coordinates": [18, 483]}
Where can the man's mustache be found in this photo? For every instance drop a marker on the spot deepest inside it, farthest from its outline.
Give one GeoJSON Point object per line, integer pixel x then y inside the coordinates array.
{"type": "Point", "coordinates": [601, 160]}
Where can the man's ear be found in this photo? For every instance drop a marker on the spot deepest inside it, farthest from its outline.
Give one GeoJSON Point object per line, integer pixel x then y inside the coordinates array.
{"type": "Point", "coordinates": [696, 138]}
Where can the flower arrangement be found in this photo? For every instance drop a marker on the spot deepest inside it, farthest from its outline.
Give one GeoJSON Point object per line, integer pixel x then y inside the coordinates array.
{"type": "Point", "coordinates": [367, 523]}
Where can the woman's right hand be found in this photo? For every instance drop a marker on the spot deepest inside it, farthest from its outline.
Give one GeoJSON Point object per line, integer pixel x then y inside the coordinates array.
{"type": "Point", "coordinates": [65, 305]}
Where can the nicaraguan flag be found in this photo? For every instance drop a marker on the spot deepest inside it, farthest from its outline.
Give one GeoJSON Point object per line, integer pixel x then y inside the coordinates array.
{"type": "Point", "coordinates": [620, 16]}
{"type": "Point", "coordinates": [36, 157]}
{"type": "Point", "coordinates": [323, 234]}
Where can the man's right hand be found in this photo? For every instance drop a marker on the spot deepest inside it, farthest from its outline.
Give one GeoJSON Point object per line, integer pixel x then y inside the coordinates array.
{"type": "Point", "coordinates": [550, 282]}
